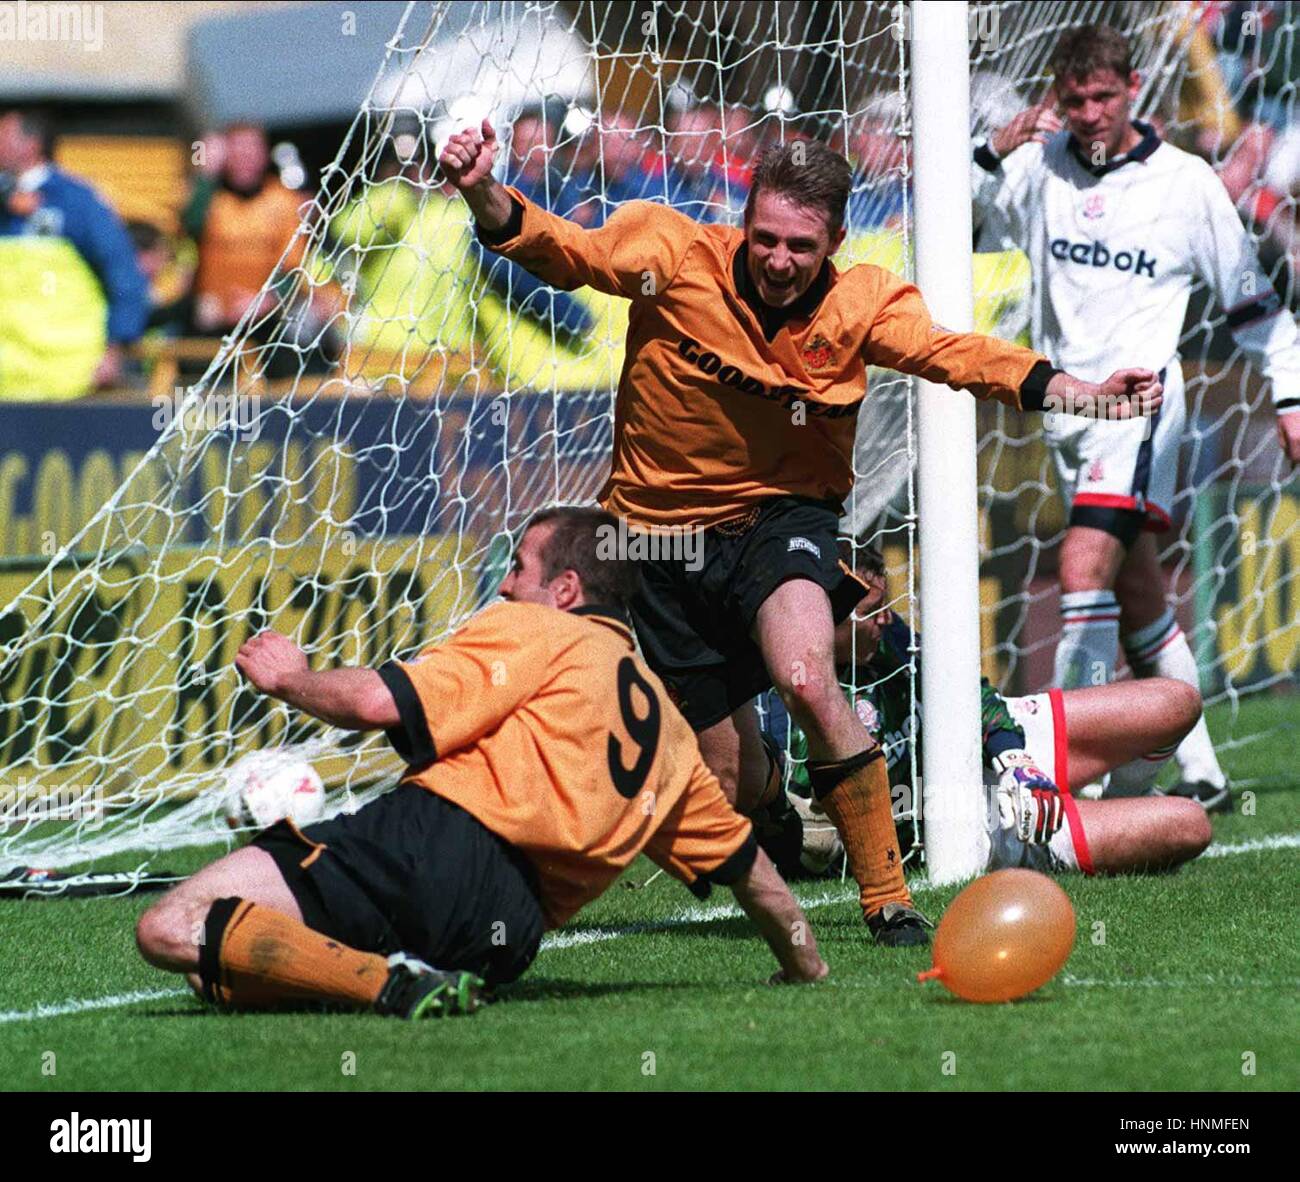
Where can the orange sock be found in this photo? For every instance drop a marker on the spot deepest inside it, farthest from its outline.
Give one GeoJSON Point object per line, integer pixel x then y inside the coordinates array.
{"type": "Point", "coordinates": [253, 957]}
{"type": "Point", "coordinates": [855, 794]}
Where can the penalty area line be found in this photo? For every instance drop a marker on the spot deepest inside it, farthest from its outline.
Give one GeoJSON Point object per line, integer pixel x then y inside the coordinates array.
{"type": "Point", "coordinates": [83, 1005]}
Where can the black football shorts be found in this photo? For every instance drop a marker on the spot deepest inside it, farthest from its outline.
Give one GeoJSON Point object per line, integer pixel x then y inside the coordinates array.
{"type": "Point", "coordinates": [412, 872]}
{"type": "Point", "coordinates": [694, 625]}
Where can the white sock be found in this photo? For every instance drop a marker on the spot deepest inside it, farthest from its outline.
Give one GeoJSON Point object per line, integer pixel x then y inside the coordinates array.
{"type": "Point", "coordinates": [1161, 650]}
{"type": "Point", "coordinates": [1089, 644]}
{"type": "Point", "coordinates": [1135, 778]}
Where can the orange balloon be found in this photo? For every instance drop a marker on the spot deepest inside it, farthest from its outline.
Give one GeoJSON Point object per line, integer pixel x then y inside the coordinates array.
{"type": "Point", "coordinates": [1003, 936]}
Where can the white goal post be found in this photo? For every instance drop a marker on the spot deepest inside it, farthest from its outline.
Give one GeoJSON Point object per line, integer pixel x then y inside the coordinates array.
{"type": "Point", "coordinates": [951, 793]}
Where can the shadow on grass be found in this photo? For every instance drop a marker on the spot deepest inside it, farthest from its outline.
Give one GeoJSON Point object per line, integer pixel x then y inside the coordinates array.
{"type": "Point", "coordinates": [530, 989]}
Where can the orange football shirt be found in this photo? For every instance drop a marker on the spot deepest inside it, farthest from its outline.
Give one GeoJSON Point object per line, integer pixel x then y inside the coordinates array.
{"type": "Point", "coordinates": [549, 728]}
{"type": "Point", "coordinates": [243, 239]}
{"type": "Point", "coordinates": [710, 415]}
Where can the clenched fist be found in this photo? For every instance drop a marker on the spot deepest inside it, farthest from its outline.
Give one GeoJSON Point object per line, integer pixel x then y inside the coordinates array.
{"type": "Point", "coordinates": [269, 661]}
{"type": "Point", "coordinates": [468, 157]}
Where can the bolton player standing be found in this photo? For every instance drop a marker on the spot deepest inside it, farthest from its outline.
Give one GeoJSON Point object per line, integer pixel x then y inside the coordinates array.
{"type": "Point", "coordinates": [745, 368]}
{"type": "Point", "coordinates": [1118, 225]}
{"type": "Point", "coordinates": [543, 757]}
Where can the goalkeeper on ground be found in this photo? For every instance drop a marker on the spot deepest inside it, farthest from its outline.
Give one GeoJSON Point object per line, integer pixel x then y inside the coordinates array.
{"type": "Point", "coordinates": [745, 368]}
{"type": "Point", "coordinates": [1037, 750]}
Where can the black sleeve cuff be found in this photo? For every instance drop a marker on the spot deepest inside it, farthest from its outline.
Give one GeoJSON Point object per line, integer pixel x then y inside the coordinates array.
{"type": "Point", "coordinates": [1286, 404]}
{"type": "Point", "coordinates": [998, 742]}
{"type": "Point", "coordinates": [512, 229]}
{"type": "Point", "coordinates": [737, 866]}
{"type": "Point", "coordinates": [1033, 390]}
{"type": "Point", "coordinates": [987, 159]}
{"type": "Point", "coordinates": [410, 738]}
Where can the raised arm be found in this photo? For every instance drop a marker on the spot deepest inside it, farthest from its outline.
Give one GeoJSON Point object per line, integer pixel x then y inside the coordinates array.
{"type": "Point", "coordinates": [999, 185]}
{"type": "Point", "coordinates": [635, 254]}
{"type": "Point", "coordinates": [467, 162]}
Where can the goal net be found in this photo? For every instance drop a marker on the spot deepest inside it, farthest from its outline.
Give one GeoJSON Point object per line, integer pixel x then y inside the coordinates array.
{"type": "Point", "coordinates": [351, 467]}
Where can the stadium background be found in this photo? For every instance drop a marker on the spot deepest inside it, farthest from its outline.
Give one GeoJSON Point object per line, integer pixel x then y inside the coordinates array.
{"type": "Point", "coordinates": [131, 117]}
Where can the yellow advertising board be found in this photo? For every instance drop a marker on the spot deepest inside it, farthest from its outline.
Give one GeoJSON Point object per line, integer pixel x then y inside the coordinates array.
{"type": "Point", "coordinates": [124, 673]}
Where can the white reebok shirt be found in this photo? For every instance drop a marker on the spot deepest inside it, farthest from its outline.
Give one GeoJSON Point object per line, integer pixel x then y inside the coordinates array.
{"type": "Point", "coordinates": [1115, 251]}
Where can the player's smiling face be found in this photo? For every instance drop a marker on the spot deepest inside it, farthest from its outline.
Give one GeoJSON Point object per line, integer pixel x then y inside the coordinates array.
{"type": "Point", "coordinates": [1098, 110]}
{"type": "Point", "coordinates": [787, 244]}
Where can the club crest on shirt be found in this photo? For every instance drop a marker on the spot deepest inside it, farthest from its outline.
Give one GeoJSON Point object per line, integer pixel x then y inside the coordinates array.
{"type": "Point", "coordinates": [1096, 473]}
{"type": "Point", "coordinates": [1094, 206]}
{"type": "Point", "coordinates": [817, 352]}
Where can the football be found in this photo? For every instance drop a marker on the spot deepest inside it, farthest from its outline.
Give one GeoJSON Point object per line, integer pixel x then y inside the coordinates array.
{"type": "Point", "coordinates": [267, 786]}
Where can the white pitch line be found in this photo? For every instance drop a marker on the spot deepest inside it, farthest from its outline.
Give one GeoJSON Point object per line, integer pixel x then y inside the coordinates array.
{"type": "Point", "coordinates": [1205, 982]}
{"type": "Point", "coordinates": [687, 915]}
{"type": "Point", "coordinates": [679, 918]}
{"type": "Point", "coordinates": [1279, 841]}
{"type": "Point", "coordinates": [82, 1005]}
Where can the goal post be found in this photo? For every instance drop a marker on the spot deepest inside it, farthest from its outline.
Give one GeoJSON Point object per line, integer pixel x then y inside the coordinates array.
{"type": "Point", "coordinates": [951, 789]}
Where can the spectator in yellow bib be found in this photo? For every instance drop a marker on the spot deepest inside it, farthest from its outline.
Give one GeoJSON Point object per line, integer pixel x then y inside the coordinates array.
{"type": "Point", "coordinates": [71, 293]}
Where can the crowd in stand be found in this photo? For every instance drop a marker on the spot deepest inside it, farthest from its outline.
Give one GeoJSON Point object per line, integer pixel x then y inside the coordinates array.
{"type": "Point", "coordinates": [405, 277]}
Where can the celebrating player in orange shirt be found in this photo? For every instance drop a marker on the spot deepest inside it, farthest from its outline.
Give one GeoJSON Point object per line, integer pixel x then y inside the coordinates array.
{"type": "Point", "coordinates": [746, 363]}
{"type": "Point", "coordinates": [543, 758]}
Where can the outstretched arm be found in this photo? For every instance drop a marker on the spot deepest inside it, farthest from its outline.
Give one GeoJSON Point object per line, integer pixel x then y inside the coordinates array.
{"type": "Point", "coordinates": [903, 337]}
{"type": "Point", "coordinates": [765, 898]}
{"type": "Point", "coordinates": [354, 699]}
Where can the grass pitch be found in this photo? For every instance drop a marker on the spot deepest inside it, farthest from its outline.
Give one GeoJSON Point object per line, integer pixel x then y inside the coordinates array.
{"type": "Point", "coordinates": [1190, 984]}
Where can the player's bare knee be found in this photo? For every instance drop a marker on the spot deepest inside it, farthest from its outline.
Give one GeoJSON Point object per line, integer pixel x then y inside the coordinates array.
{"type": "Point", "coordinates": [1083, 568]}
{"type": "Point", "coordinates": [1185, 706]}
{"type": "Point", "coordinates": [1194, 830]}
{"type": "Point", "coordinates": [810, 696]}
{"type": "Point", "coordinates": [168, 935]}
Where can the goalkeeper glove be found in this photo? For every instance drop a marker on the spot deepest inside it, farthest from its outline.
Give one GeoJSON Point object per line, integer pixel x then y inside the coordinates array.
{"type": "Point", "coordinates": [1028, 801]}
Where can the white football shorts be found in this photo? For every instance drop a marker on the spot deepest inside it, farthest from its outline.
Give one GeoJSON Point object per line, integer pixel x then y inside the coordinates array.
{"type": "Point", "coordinates": [1125, 465]}
{"type": "Point", "coordinates": [1042, 717]}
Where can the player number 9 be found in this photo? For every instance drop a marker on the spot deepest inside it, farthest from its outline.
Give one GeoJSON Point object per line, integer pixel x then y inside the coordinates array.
{"type": "Point", "coordinates": [643, 730]}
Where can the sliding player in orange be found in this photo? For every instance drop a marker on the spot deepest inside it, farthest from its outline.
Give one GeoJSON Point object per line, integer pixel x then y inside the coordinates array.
{"type": "Point", "coordinates": [543, 758]}
{"type": "Point", "coordinates": [746, 362]}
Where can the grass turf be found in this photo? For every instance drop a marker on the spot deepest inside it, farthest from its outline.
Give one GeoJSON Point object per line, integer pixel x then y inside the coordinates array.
{"type": "Point", "coordinates": [649, 990]}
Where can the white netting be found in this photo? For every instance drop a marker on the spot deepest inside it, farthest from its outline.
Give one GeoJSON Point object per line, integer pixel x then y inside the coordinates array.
{"type": "Point", "coordinates": [413, 400]}
{"type": "Point", "coordinates": [349, 468]}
